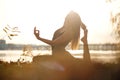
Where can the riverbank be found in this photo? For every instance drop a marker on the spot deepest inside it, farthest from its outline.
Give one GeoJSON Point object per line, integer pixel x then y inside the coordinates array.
{"type": "Point", "coordinates": [48, 68]}
{"type": "Point", "coordinates": [96, 55]}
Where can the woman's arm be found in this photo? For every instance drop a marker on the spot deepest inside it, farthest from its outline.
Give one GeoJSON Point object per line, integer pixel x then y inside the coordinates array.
{"type": "Point", "coordinates": [37, 32]}
{"type": "Point", "coordinates": [83, 26]}
{"type": "Point", "coordinates": [63, 38]}
{"type": "Point", "coordinates": [86, 53]}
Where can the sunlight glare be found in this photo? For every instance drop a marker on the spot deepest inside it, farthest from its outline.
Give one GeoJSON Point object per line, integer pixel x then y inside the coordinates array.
{"type": "Point", "coordinates": [48, 15]}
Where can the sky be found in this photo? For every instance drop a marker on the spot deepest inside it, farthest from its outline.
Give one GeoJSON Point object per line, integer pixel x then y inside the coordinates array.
{"type": "Point", "coordinates": [49, 15]}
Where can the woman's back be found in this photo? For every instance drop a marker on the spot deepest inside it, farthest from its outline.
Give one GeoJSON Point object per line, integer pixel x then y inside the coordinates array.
{"type": "Point", "coordinates": [60, 48]}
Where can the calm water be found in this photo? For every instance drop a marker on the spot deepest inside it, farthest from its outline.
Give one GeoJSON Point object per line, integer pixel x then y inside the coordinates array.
{"type": "Point", "coordinates": [15, 55]}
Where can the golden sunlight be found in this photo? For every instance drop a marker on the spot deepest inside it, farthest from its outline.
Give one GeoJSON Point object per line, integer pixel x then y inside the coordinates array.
{"type": "Point", "coordinates": [48, 15]}
{"type": "Point", "coordinates": [26, 24]}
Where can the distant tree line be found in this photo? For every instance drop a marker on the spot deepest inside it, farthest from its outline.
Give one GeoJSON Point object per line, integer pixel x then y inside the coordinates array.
{"type": "Point", "coordinates": [102, 46]}
{"type": "Point", "coordinates": [4, 46]}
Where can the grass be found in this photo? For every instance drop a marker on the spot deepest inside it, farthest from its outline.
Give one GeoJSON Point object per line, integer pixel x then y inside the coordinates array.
{"type": "Point", "coordinates": [49, 68]}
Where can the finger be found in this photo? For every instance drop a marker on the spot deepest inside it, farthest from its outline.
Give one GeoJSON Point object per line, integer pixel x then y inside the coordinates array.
{"type": "Point", "coordinates": [34, 30]}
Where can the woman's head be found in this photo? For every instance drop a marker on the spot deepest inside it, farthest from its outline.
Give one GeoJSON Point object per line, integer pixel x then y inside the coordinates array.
{"type": "Point", "coordinates": [72, 22]}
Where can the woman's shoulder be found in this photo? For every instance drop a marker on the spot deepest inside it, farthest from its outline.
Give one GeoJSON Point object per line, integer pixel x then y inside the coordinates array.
{"type": "Point", "coordinates": [58, 31]}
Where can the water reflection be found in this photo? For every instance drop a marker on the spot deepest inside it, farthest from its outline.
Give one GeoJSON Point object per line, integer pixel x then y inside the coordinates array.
{"type": "Point", "coordinates": [15, 55]}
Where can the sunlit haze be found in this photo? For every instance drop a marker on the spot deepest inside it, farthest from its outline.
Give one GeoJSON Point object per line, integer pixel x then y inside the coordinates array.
{"type": "Point", "coordinates": [49, 15]}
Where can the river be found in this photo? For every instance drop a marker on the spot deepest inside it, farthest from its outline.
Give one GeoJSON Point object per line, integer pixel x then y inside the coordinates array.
{"type": "Point", "coordinates": [100, 55]}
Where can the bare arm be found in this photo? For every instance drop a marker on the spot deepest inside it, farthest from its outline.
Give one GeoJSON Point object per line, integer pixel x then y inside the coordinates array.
{"type": "Point", "coordinates": [83, 26]}
{"type": "Point", "coordinates": [86, 53]}
{"type": "Point", "coordinates": [63, 38]}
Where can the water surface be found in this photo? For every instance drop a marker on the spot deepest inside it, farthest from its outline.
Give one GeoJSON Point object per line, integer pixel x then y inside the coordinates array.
{"type": "Point", "coordinates": [96, 55]}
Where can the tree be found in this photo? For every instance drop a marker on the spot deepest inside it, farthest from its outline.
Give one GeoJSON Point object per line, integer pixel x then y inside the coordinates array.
{"type": "Point", "coordinates": [115, 16]}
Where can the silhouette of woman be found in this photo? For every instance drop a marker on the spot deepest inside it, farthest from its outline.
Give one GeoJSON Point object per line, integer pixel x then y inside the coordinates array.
{"type": "Point", "coordinates": [69, 33]}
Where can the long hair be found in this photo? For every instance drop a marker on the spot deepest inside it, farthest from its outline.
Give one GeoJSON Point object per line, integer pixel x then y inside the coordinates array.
{"type": "Point", "coordinates": [74, 22]}
{"type": "Point", "coordinates": [76, 40]}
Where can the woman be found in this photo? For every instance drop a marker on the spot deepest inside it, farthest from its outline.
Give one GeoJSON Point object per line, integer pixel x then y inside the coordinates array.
{"type": "Point", "coordinates": [69, 33]}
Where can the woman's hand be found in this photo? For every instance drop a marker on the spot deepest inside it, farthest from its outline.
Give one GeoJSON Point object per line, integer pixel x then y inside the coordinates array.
{"type": "Point", "coordinates": [84, 39]}
{"type": "Point", "coordinates": [36, 33]}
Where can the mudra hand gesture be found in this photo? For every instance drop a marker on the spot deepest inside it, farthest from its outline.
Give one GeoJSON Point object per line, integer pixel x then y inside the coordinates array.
{"type": "Point", "coordinates": [36, 33]}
